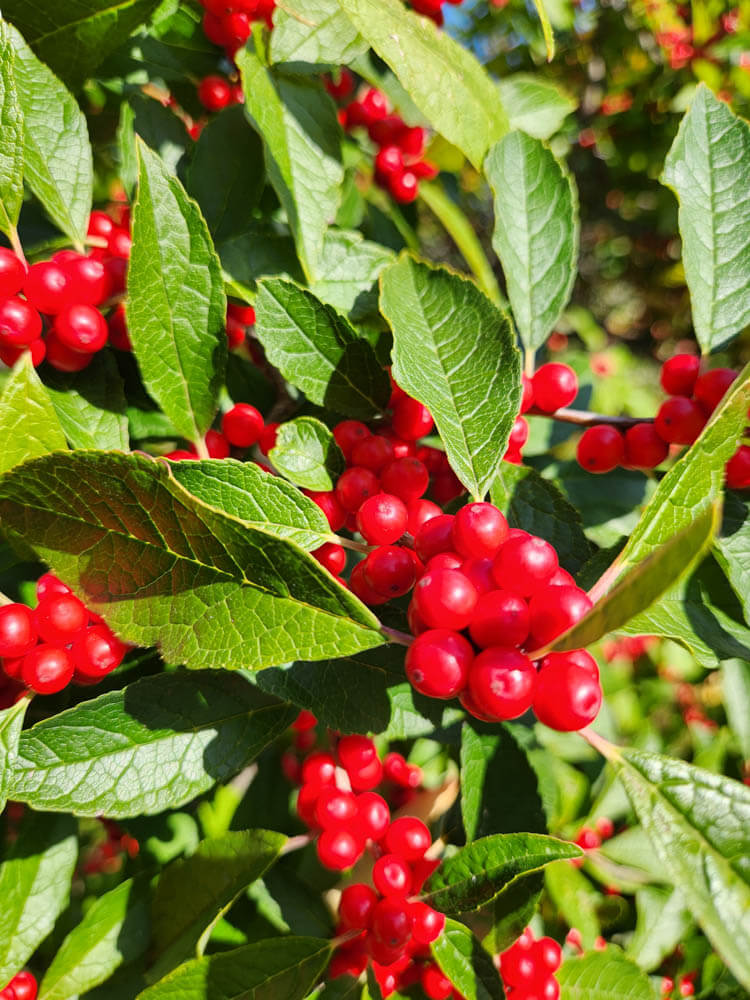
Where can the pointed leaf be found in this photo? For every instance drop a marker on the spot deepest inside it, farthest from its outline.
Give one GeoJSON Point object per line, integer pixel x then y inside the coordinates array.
{"type": "Point", "coordinates": [57, 154]}
{"type": "Point", "coordinates": [11, 723]}
{"type": "Point", "coordinates": [455, 352]}
{"type": "Point", "coordinates": [445, 80]}
{"type": "Point", "coordinates": [603, 975]}
{"type": "Point", "coordinates": [166, 570]}
{"type": "Point", "coordinates": [193, 893]}
{"type": "Point", "coordinates": [285, 967]}
{"type": "Point", "coordinates": [90, 405]}
{"type": "Point", "coordinates": [536, 232]}
{"type": "Point", "coordinates": [114, 931]}
{"type": "Point", "coordinates": [176, 306]}
{"type": "Point", "coordinates": [314, 31]}
{"type": "Point", "coordinates": [306, 453]}
{"type": "Point", "coordinates": [317, 350]}
{"type": "Point", "coordinates": [464, 961]}
{"type": "Point", "coordinates": [348, 273]}
{"type": "Point", "coordinates": [12, 129]}
{"type": "Point", "coordinates": [297, 121]}
{"type": "Point", "coordinates": [708, 167]}
{"type": "Point", "coordinates": [28, 424]}
{"type": "Point", "coordinates": [35, 882]}
{"type": "Point", "coordinates": [480, 871]}
{"type": "Point", "coordinates": [535, 106]}
{"type": "Point", "coordinates": [154, 745]}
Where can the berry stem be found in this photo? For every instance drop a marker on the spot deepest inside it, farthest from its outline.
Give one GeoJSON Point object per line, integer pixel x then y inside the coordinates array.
{"type": "Point", "coordinates": [201, 448]}
{"type": "Point", "coordinates": [297, 843]}
{"type": "Point", "coordinates": [605, 748]}
{"type": "Point", "coordinates": [529, 363]}
{"type": "Point", "coordinates": [349, 543]}
{"type": "Point", "coordinates": [585, 418]}
{"type": "Point", "coordinates": [96, 241]}
{"type": "Point", "coordinates": [393, 634]}
{"type": "Point", "coordinates": [15, 242]}
{"type": "Point", "coordinates": [605, 581]}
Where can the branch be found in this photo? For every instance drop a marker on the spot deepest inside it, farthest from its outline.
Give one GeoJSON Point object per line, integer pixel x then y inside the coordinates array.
{"type": "Point", "coordinates": [585, 418]}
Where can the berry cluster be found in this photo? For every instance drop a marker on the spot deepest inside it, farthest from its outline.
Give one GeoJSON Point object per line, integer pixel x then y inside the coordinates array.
{"type": "Point", "coordinates": [528, 968]}
{"type": "Point", "coordinates": [590, 838]}
{"type": "Point", "coordinates": [217, 92]}
{"type": "Point", "coordinates": [58, 642]}
{"type": "Point", "coordinates": [227, 23]}
{"type": "Point", "coordinates": [552, 387]}
{"type": "Point", "coordinates": [106, 857]}
{"type": "Point", "coordinates": [23, 986]}
{"type": "Point", "coordinates": [242, 426]}
{"type": "Point", "coordinates": [685, 987]}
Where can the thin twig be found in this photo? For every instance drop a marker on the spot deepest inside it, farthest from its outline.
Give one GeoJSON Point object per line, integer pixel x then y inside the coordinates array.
{"type": "Point", "coordinates": [349, 543]}
{"type": "Point", "coordinates": [402, 638]}
{"type": "Point", "coordinates": [585, 418]}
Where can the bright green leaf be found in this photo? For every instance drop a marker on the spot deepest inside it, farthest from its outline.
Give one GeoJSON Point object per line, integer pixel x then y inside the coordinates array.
{"type": "Point", "coordinates": [29, 426]}
{"type": "Point", "coordinates": [535, 106]}
{"type": "Point", "coordinates": [12, 129]}
{"type": "Point", "coordinates": [166, 570]}
{"type": "Point", "coordinates": [306, 453]}
{"type": "Point", "coordinates": [176, 307]}
{"type": "Point", "coordinates": [90, 405]}
{"type": "Point", "coordinates": [735, 686]}
{"type": "Point", "coordinates": [314, 31]}
{"type": "Point", "coordinates": [160, 129]}
{"type": "Point", "coordinates": [603, 975]}
{"type": "Point", "coordinates": [348, 273]}
{"type": "Point", "coordinates": [708, 167]}
{"type": "Point", "coordinates": [663, 923]}
{"type": "Point", "coordinates": [151, 746]}
{"type": "Point", "coordinates": [464, 961]}
{"type": "Point", "coordinates": [732, 549]}
{"type": "Point", "coordinates": [11, 723]}
{"type": "Point", "coordinates": [575, 898]}
{"type": "Point", "coordinates": [317, 350]}
{"type": "Point", "coordinates": [549, 37]}
{"type": "Point", "coordinates": [454, 352]}
{"type": "Point", "coordinates": [536, 232]}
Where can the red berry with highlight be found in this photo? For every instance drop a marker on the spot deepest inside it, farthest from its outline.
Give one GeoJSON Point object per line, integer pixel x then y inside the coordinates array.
{"type": "Point", "coordinates": [97, 652]}
{"type": "Point", "coordinates": [711, 388]}
{"type": "Point", "coordinates": [411, 420]}
{"type": "Point", "coordinates": [408, 837]}
{"type": "Point", "coordinates": [500, 618]}
{"type": "Point", "coordinates": [382, 519]}
{"type": "Point", "coordinates": [567, 697]}
{"type": "Point", "coordinates": [601, 449]}
{"type": "Point", "coordinates": [553, 610]}
{"type": "Point", "coordinates": [242, 425]}
{"type": "Point", "coordinates": [391, 875]}
{"type": "Point", "coordinates": [18, 633]}
{"type": "Point", "coordinates": [679, 373]}
{"type": "Point", "coordinates": [479, 529]}
{"type": "Point", "coordinates": [502, 682]}
{"type": "Point", "coordinates": [679, 420]}
{"type": "Point", "coordinates": [47, 669]}
{"type": "Point", "coordinates": [524, 564]}
{"type": "Point", "coordinates": [644, 448]}
{"type": "Point", "coordinates": [390, 570]}
{"type": "Point", "coordinates": [554, 386]}
{"type": "Point", "coordinates": [356, 906]}
{"type": "Point", "coordinates": [338, 849]}
{"type": "Point", "coordinates": [355, 486]}
{"type": "Point", "coordinates": [445, 598]}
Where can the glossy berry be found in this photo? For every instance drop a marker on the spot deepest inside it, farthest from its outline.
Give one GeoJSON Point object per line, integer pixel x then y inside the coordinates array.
{"type": "Point", "coordinates": [500, 618]}
{"type": "Point", "coordinates": [319, 769]}
{"type": "Point", "coordinates": [356, 751]}
{"type": "Point", "coordinates": [364, 779]}
{"type": "Point", "coordinates": [392, 921]}
{"type": "Point", "coordinates": [479, 529]}
{"type": "Point", "coordinates": [242, 425]}
{"type": "Point", "coordinates": [479, 571]}
{"type": "Point", "coordinates": [81, 328]}
{"type": "Point", "coordinates": [389, 160]}
{"type": "Point", "coordinates": [217, 445]}
{"type": "Point", "coordinates": [12, 273]}
{"type": "Point", "coordinates": [356, 906]}
{"type": "Point", "coordinates": [502, 682]}
{"type": "Point", "coordinates": [20, 323]}
{"type": "Point", "coordinates": [524, 564]}
{"type": "Point", "coordinates": [445, 598]}
{"type": "Point", "coordinates": [554, 386]}
{"type": "Point", "coordinates": [738, 469]}
{"type": "Point", "coordinates": [391, 875]}
{"type": "Point", "coordinates": [435, 984]}
{"type": "Point", "coordinates": [444, 560]}
{"type": "Point", "coordinates": [348, 434]}
{"type": "Point", "coordinates": [355, 486]}
{"type": "Point", "coordinates": [97, 652]}
{"type": "Point", "coordinates": [679, 373]}
{"type": "Point", "coordinates": [711, 387]}
{"type": "Point", "coordinates": [214, 93]}
{"type": "Point", "coordinates": [679, 420]}
{"type": "Point", "coordinates": [408, 837]}
{"type": "Point", "coordinates": [547, 954]}
{"type": "Point", "coordinates": [398, 770]}
{"type": "Point", "coordinates": [390, 570]}
{"type": "Point", "coordinates": [601, 449]}
{"type": "Point", "coordinates": [334, 512]}
{"type": "Point", "coordinates": [17, 631]}
{"type": "Point", "coordinates": [332, 556]}
{"type": "Point", "coordinates": [373, 815]}
{"type": "Point", "coordinates": [48, 287]}
{"type": "Point", "coordinates": [553, 610]}
{"type": "Point", "coordinates": [64, 358]}
{"type": "Point", "coordinates": [382, 519]}
{"type": "Point", "coordinates": [338, 849]}
{"type": "Point", "coordinates": [267, 438]}
{"type": "Point", "coordinates": [89, 280]}
{"type": "Point", "coordinates": [411, 420]}
{"type": "Point", "coordinates": [579, 657]}
{"type": "Point", "coordinates": [334, 808]}
{"type": "Point", "coordinates": [10, 355]}
{"type": "Point", "coordinates": [60, 618]}
{"type": "Point", "coordinates": [47, 669]}
{"type": "Point", "coordinates": [49, 584]}
{"type": "Point", "coordinates": [434, 535]}
{"type": "Point", "coordinates": [24, 986]}
{"type": "Point", "coordinates": [406, 478]}
{"type": "Point", "coordinates": [644, 448]}
{"type": "Point", "coordinates": [374, 453]}
{"type": "Point", "coordinates": [361, 588]}
{"type": "Point", "coordinates": [420, 512]}
{"type": "Point", "coordinates": [567, 697]}
{"type": "Point", "coordinates": [404, 186]}
{"type": "Point", "coordinates": [427, 923]}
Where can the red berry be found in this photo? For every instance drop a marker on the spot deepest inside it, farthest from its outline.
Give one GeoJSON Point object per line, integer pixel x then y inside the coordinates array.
{"type": "Point", "coordinates": [444, 560]}
{"type": "Point", "coordinates": [500, 619]}
{"type": "Point", "coordinates": [217, 445]}
{"type": "Point", "coordinates": [644, 448]}
{"type": "Point", "coordinates": [355, 486]}
{"type": "Point", "coordinates": [373, 815]}
{"type": "Point", "coordinates": [348, 434]}
{"type": "Point", "coordinates": [12, 273]}
{"type": "Point", "coordinates": [17, 630]}
{"type": "Point", "coordinates": [374, 453]}
{"type": "Point", "coordinates": [437, 663]}
{"type": "Point", "coordinates": [567, 697]}
{"type": "Point", "coordinates": [389, 161]}
{"type": "Point", "coordinates": [214, 93]}
{"type": "Point", "coordinates": [342, 87]}
{"type": "Point", "coordinates": [305, 720]}
{"type": "Point", "coordinates": [334, 808]}
{"type": "Point", "coordinates": [81, 328]}
{"type": "Point", "coordinates": [267, 438]}
{"type": "Point", "coordinates": [119, 243]}
{"type": "Point", "coordinates": [48, 287]}
{"type": "Point", "coordinates": [411, 420]}
{"type": "Point", "coordinates": [100, 224]}
{"type": "Point", "coordinates": [434, 535]}
{"type": "Point", "coordinates": [332, 556]}
{"type": "Point", "coordinates": [408, 837]}
{"type": "Point", "coordinates": [20, 323]}
{"type": "Point", "coordinates": [356, 906]}
{"type": "Point", "coordinates": [356, 752]}
{"type": "Point", "coordinates": [679, 373]}
{"type": "Point", "coordinates": [242, 425]}
{"type": "Point", "coordinates": [361, 588]}
{"type": "Point", "coordinates": [319, 769]}
{"type": "Point", "coordinates": [738, 469]}
{"type": "Point", "coordinates": [89, 280]}
{"type": "Point", "coordinates": [527, 396]}
{"type": "Point", "coordinates": [501, 683]}
{"type": "Point", "coordinates": [243, 314]}
{"type": "Point", "coordinates": [524, 564]}
{"type": "Point", "coordinates": [307, 799]}
{"type": "Point", "coordinates": [61, 357]}
{"type": "Point", "coordinates": [391, 875]}
{"type": "Point", "coordinates": [334, 512]}
{"type": "Point", "coordinates": [579, 657]}
{"type": "Point", "coordinates": [406, 478]}
{"type": "Point", "coordinates": [236, 27]}
{"type": "Point", "coordinates": [364, 779]}
{"type": "Point", "coordinates": [554, 385]}
{"type": "Point", "coordinates": [97, 652]}
{"type": "Point", "coordinates": [404, 187]}
{"type": "Point", "coordinates": [382, 518]}
{"type": "Point", "coordinates": [47, 669]}
{"type": "Point", "coordinates": [390, 570]}
{"type": "Point", "coordinates": [339, 849]}
{"type": "Point", "coordinates": [711, 388]}
{"type": "Point", "coordinates": [519, 434]}
{"type": "Point", "coordinates": [679, 420]}
{"type": "Point", "coordinates": [445, 598]}
{"type": "Point", "coordinates": [553, 610]}
{"type": "Point", "coordinates": [400, 772]}
{"type": "Point", "coordinates": [479, 571]}
{"type": "Point", "coordinates": [601, 449]}
{"type": "Point", "coordinates": [435, 985]}
{"type": "Point", "coordinates": [547, 953]}
{"type": "Point", "coordinates": [348, 960]}
{"type": "Point", "coordinates": [60, 618]}
{"type": "Point", "coordinates": [420, 512]}
{"type": "Point", "coordinates": [427, 924]}
{"type": "Point", "coordinates": [479, 529]}
{"type": "Point", "coordinates": [24, 986]}
{"type": "Point", "coordinates": [392, 921]}
{"type": "Point", "coordinates": [374, 104]}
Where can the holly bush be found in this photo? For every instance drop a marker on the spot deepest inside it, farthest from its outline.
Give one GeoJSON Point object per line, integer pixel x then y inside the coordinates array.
{"type": "Point", "coordinates": [373, 500]}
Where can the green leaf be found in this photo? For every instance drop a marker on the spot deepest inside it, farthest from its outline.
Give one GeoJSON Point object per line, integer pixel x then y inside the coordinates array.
{"type": "Point", "coordinates": [176, 306]}
{"type": "Point", "coordinates": [317, 350]}
{"type": "Point", "coordinates": [28, 424]}
{"type": "Point", "coordinates": [314, 31]}
{"type": "Point", "coordinates": [536, 232]}
{"type": "Point", "coordinates": [193, 893]}
{"type": "Point", "coordinates": [575, 898]}
{"type": "Point", "coordinates": [663, 923]}
{"type": "Point", "coordinates": [90, 405]}
{"type": "Point", "coordinates": [549, 38]}
{"type": "Point", "coordinates": [114, 931]}
{"type": "Point", "coordinates": [226, 174]}
{"type": "Point", "coordinates": [74, 37]}
{"type": "Point", "coordinates": [708, 168]}
{"type": "Point", "coordinates": [12, 129]}
{"type": "Point", "coordinates": [445, 81]}
{"type": "Point", "coordinates": [160, 129]}
{"type": "Point", "coordinates": [306, 453]}
{"type": "Point", "coordinates": [464, 961]}
{"type": "Point", "coordinates": [642, 585]}
{"type": "Point", "coordinates": [603, 975]}
{"type": "Point", "coordinates": [57, 154]}
{"type": "Point", "coordinates": [735, 686]}
{"type": "Point", "coordinates": [512, 910]}
{"type": "Point", "coordinates": [480, 871]}
{"type": "Point", "coordinates": [348, 273]}
{"type": "Point", "coordinates": [498, 786]}
{"type": "Point", "coordinates": [11, 723]}
{"type": "Point", "coordinates": [165, 570]}
{"type": "Point", "coordinates": [35, 882]}
{"type": "Point", "coordinates": [285, 967]}
{"type": "Point", "coordinates": [454, 352]}
{"type": "Point", "coordinates": [698, 824]}
{"type": "Point", "coordinates": [536, 505]}
{"type": "Point", "coordinates": [301, 136]}
{"type": "Point", "coordinates": [151, 746]}
{"type": "Point", "coordinates": [535, 105]}
{"type": "Point", "coordinates": [732, 548]}
{"type": "Point", "coordinates": [259, 499]}
{"type": "Point", "coordinates": [261, 252]}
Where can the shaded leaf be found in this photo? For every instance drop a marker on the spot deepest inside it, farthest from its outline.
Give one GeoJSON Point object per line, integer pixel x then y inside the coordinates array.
{"type": "Point", "coordinates": [735, 686]}
{"type": "Point", "coordinates": [663, 923]}
{"type": "Point", "coordinates": [12, 128]}
{"type": "Point", "coordinates": [512, 910]}
{"type": "Point", "coordinates": [575, 898]}
{"type": "Point", "coordinates": [464, 961]}
{"type": "Point", "coordinates": [732, 548]}
{"type": "Point", "coordinates": [306, 453]}
{"type": "Point", "coordinates": [90, 405]}
{"type": "Point", "coordinates": [29, 426]}
{"type": "Point", "coordinates": [11, 723]}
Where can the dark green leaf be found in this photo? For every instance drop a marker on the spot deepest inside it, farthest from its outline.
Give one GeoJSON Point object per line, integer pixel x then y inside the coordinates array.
{"type": "Point", "coordinates": [35, 882]}
{"type": "Point", "coordinates": [536, 232]}
{"type": "Point", "coordinates": [193, 893]}
{"type": "Point", "coordinates": [537, 505]}
{"type": "Point", "coordinates": [732, 548]}
{"type": "Point", "coordinates": [154, 745]}
{"type": "Point", "coordinates": [11, 723]}
{"type": "Point", "coordinates": [246, 492]}
{"type": "Point", "coordinates": [735, 686]}
{"type": "Point", "coordinates": [708, 167]}
{"type": "Point", "coordinates": [12, 128]}
{"type": "Point", "coordinates": [603, 975]}
{"type": "Point", "coordinates": [314, 31]}
{"type": "Point", "coordinates": [90, 405]}
{"type": "Point", "coordinates": [114, 931]}
{"type": "Point", "coordinates": [498, 785]}
{"type": "Point", "coordinates": [478, 872]}
{"type": "Point", "coordinates": [575, 898]}
{"type": "Point", "coordinates": [261, 252]}
{"type": "Point", "coordinates": [164, 569]}
{"type": "Point", "coordinates": [297, 122]}
{"type": "Point", "coordinates": [317, 350]}
{"type": "Point", "coordinates": [348, 273]}
{"type": "Point", "coordinates": [306, 453]}
{"type": "Point", "coordinates": [160, 129]}
{"type": "Point", "coordinates": [535, 105]}
{"type": "Point", "coordinates": [465, 962]}
{"type": "Point", "coordinates": [445, 80]}
{"type": "Point", "coordinates": [284, 967]}
{"type": "Point", "coordinates": [512, 910]}
{"type": "Point", "coordinates": [455, 352]}
{"type": "Point", "coordinates": [226, 174]}
{"type": "Point", "coordinates": [57, 155]}
{"type": "Point", "coordinates": [663, 923]}
{"type": "Point", "coordinates": [176, 307]}
{"type": "Point", "coordinates": [28, 424]}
